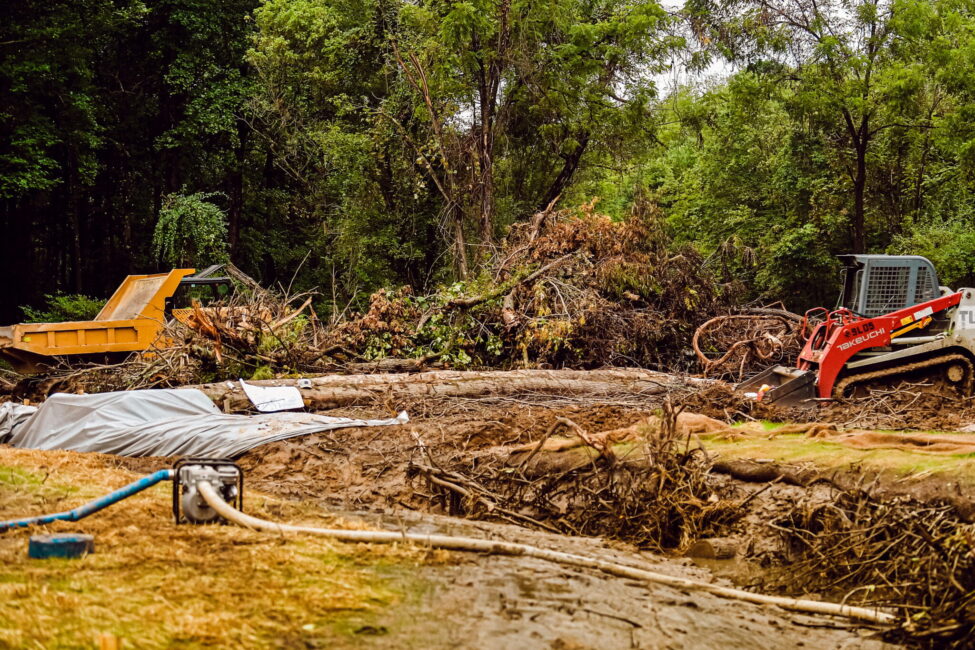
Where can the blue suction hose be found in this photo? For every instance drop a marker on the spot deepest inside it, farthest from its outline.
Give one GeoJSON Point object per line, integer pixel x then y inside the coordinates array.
{"type": "Point", "coordinates": [92, 506]}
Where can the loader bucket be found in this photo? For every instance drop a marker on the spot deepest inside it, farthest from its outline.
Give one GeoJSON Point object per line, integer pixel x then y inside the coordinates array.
{"type": "Point", "coordinates": [790, 386]}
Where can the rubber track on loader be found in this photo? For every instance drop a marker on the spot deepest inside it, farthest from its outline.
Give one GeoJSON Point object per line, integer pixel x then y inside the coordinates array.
{"type": "Point", "coordinates": [843, 384]}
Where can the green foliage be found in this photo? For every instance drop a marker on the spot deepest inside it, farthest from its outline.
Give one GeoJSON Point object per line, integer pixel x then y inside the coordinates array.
{"type": "Point", "coordinates": [365, 143]}
{"type": "Point", "coordinates": [262, 372]}
{"type": "Point", "coordinates": [449, 339]}
{"type": "Point", "coordinates": [411, 130]}
{"type": "Point", "coordinates": [59, 308]}
{"type": "Point", "coordinates": [757, 170]}
{"type": "Point", "coordinates": [191, 231]}
{"type": "Point", "coordinates": [949, 244]}
{"type": "Point", "coordinates": [285, 337]}
{"type": "Point", "coordinates": [106, 107]}
{"type": "Point", "coordinates": [55, 44]}
{"type": "Point", "coordinates": [458, 338]}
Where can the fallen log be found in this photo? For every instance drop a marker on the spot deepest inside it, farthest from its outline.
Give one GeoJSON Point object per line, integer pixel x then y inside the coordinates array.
{"type": "Point", "coordinates": [389, 365]}
{"type": "Point", "coordinates": [334, 391]}
{"type": "Point", "coordinates": [714, 548]}
{"type": "Point", "coordinates": [750, 471]}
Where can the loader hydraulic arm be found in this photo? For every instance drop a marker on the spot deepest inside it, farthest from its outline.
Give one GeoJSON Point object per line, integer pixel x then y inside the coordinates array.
{"type": "Point", "coordinates": [844, 334]}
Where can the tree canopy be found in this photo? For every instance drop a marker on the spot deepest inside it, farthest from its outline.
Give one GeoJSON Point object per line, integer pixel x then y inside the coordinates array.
{"type": "Point", "coordinates": [346, 145]}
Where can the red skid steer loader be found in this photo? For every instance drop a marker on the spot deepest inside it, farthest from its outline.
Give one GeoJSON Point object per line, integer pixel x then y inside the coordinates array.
{"type": "Point", "coordinates": [893, 321]}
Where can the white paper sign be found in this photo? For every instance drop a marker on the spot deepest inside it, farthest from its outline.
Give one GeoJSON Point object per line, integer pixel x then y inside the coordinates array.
{"type": "Point", "coordinates": [268, 399]}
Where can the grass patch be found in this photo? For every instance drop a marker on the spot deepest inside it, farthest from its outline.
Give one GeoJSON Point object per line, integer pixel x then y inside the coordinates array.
{"type": "Point", "coordinates": [767, 425]}
{"type": "Point", "coordinates": [797, 449]}
{"type": "Point", "coordinates": [19, 476]}
{"type": "Point", "coordinates": [158, 585]}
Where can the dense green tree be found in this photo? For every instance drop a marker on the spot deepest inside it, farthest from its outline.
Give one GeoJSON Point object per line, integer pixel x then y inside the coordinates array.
{"type": "Point", "coordinates": [347, 144]}
{"type": "Point", "coordinates": [764, 164]}
{"type": "Point", "coordinates": [516, 94]}
{"type": "Point", "coordinates": [839, 59]}
{"type": "Point", "coordinates": [472, 114]}
{"type": "Point", "coordinates": [347, 193]}
{"type": "Point", "coordinates": [191, 231]}
{"type": "Point", "coordinates": [105, 107]}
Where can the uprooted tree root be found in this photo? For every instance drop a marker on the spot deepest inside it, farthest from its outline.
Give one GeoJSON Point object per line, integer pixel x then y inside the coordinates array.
{"type": "Point", "coordinates": [658, 494]}
{"type": "Point", "coordinates": [732, 346]}
{"type": "Point", "coordinates": [900, 553]}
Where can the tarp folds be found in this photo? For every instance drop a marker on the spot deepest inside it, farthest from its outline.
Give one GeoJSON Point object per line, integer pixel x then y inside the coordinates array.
{"type": "Point", "coordinates": [12, 415]}
{"type": "Point", "coordinates": [170, 422]}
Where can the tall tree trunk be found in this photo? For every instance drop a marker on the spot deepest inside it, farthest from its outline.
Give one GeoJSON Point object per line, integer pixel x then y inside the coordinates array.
{"type": "Point", "coordinates": [860, 138]}
{"type": "Point", "coordinates": [235, 181]}
{"type": "Point", "coordinates": [922, 167]}
{"type": "Point", "coordinates": [486, 162]}
{"type": "Point", "coordinates": [489, 88]}
{"type": "Point", "coordinates": [487, 195]}
{"type": "Point", "coordinates": [460, 244]}
{"type": "Point", "coordinates": [19, 220]}
{"type": "Point", "coordinates": [859, 189]}
{"type": "Point", "coordinates": [73, 209]}
{"type": "Point", "coordinates": [569, 166]}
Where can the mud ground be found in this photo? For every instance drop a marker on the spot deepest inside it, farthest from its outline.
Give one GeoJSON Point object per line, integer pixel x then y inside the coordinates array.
{"type": "Point", "coordinates": [355, 469]}
{"type": "Point", "coordinates": [496, 602]}
{"type": "Point", "coordinates": [504, 602]}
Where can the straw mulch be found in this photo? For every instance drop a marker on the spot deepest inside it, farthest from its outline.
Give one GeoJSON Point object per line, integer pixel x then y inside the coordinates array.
{"type": "Point", "coordinates": [153, 584]}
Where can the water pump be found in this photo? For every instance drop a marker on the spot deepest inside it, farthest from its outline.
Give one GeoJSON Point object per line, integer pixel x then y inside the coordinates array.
{"type": "Point", "coordinates": [226, 478]}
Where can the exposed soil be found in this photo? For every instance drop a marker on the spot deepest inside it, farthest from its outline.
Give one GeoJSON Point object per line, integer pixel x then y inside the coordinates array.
{"type": "Point", "coordinates": [924, 404]}
{"type": "Point", "coordinates": [506, 602]}
{"type": "Point", "coordinates": [468, 600]}
{"type": "Point", "coordinates": [357, 469]}
{"type": "Point", "coordinates": [352, 469]}
{"type": "Point", "coordinates": [503, 602]}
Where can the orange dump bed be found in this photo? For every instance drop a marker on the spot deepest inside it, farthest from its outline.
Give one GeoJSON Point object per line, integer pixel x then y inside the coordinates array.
{"type": "Point", "coordinates": [130, 321]}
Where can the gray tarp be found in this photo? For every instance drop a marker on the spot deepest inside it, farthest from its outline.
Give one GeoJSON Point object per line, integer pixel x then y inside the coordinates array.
{"type": "Point", "coordinates": [181, 422]}
{"type": "Point", "coordinates": [12, 415]}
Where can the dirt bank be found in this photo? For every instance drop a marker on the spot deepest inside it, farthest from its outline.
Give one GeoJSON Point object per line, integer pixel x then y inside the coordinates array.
{"type": "Point", "coordinates": [456, 457]}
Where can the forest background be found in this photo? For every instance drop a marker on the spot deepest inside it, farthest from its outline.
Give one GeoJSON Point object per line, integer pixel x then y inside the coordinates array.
{"type": "Point", "coordinates": [352, 144]}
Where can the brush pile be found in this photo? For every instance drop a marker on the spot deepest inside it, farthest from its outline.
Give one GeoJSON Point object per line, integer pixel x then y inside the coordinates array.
{"type": "Point", "coordinates": [256, 329]}
{"type": "Point", "coordinates": [566, 289]}
{"type": "Point", "coordinates": [916, 557]}
{"type": "Point", "coordinates": [657, 494]}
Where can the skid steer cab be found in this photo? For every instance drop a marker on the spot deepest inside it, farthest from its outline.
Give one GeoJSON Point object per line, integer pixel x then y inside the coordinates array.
{"type": "Point", "coordinates": [892, 321]}
{"type": "Point", "coordinates": [131, 321]}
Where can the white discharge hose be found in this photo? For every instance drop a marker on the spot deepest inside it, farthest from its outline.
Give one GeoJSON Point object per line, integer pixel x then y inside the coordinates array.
{"type": "Point", "coordinates": [473, 544]}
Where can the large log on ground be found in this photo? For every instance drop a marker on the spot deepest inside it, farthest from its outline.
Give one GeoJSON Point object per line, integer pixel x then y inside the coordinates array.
{"type": "Point", "coordinates": [332, 391]}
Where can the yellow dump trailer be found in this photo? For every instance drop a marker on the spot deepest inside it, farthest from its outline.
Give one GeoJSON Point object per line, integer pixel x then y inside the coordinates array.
{"type": "Point", "coordinates": [132, 320]}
